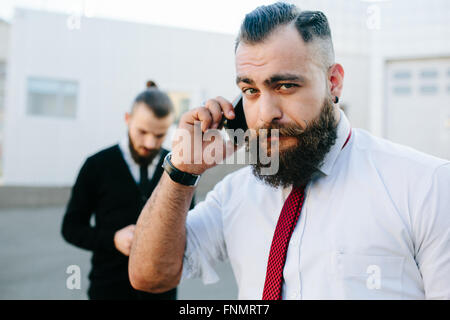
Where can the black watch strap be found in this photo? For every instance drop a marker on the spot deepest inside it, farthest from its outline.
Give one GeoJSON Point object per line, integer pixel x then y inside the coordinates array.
{"type": "Point", "coordinates": [187, 179]}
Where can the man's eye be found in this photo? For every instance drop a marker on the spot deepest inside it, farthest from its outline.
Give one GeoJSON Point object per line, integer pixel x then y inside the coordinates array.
{"type": "Point", "coordinates": [249, 91]}
{"type": "Point", "coordinates": [286, 86]}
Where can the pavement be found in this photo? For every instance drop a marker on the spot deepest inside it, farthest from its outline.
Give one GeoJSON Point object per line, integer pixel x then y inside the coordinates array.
{"type": "Point", "coordinates": [34, 260]}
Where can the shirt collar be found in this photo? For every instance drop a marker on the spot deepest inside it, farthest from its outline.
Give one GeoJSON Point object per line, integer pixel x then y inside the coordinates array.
{"type": "Point", "coordinates": [123, 144]}
{"type": "Point", "coordinates": [343, 130]}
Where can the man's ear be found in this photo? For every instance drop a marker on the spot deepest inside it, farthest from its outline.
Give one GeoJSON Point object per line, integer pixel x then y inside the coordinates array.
{"type": "Point", "coordinates": [127, 118]}
{"type": "Point", "coordinates": [336, 79]}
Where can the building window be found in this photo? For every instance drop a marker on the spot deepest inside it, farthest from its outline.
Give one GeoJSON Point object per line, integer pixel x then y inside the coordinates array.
{"type": "Point", "coordinates": [51, 97]}
{"type": "Point", "coordinates": [402, 90]}
{"type": "Point", "coordinates": [181, 101]}
{"type": "Point", "coordinates": [429, 74]}
{"type": "Point", "coordinates": [428, 89]}
{"type": "Point", "coordinates": [402, 74]}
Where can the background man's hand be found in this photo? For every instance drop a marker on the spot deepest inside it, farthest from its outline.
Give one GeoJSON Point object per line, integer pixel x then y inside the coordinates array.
{"type": "Point", "coordinates": [205, 118]}
{"type": "Point", "coordinates": [123, 239]}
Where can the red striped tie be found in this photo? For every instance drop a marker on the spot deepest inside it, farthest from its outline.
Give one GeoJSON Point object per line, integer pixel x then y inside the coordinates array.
{"type": "Point", "coordinates": [285, 226]}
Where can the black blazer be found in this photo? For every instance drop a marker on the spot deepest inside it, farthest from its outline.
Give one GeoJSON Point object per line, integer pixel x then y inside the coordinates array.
{"type": "Point", "coordinates": [106, 189]}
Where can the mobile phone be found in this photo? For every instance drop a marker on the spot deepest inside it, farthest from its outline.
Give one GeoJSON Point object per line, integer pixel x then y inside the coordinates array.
{"type": "Point", "coordinates": [239, 121]}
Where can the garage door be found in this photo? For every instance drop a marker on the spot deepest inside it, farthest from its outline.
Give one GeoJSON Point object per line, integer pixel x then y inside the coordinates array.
{"type": "Point", "coordinates": [418, 104]}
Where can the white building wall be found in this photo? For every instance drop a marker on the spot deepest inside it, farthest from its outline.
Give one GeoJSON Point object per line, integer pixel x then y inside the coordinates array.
{"type": "Point", "coordinates": [111, 61]}
{"type": "Point", "coordinates": [409, 29]}
{"type": "Point", "coordinates": [4, 47]}
{"type": "Point", "coordinates": [351, 44]}
{"type": "Point", "coordinates": [4, 40]}
{"type": "Point", "coordinates": [369, 33]}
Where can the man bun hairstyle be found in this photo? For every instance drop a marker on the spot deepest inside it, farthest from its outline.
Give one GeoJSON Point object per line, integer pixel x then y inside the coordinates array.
{"type": "Point", "coordinates": [154, 99]}
{"type": "Point", "coordinates": [150, 84]}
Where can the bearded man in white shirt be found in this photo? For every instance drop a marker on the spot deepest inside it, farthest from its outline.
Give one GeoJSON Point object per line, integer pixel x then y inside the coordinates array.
{"type": "Point", "coordinates": [373, 217]}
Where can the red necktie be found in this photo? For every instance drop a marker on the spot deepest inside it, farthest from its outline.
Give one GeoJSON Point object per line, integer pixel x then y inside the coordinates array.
{"type": "Point", "coordinates": [277, 257]}
{"type": "Point", "coordinates": [285, 226]}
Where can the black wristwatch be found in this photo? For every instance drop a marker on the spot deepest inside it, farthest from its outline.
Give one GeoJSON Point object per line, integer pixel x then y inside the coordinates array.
{"type": "Point", "coordinates": [184, 178]}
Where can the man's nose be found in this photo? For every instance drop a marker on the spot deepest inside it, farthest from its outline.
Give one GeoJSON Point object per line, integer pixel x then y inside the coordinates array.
{"type": "Point", "coordinates": [150, 142]}
{"type": "Point", "coordinates": [269, 109]}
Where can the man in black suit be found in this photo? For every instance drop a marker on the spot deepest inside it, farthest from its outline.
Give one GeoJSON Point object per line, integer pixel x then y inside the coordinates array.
{"type": "Point", "coordinates": [113, 185]}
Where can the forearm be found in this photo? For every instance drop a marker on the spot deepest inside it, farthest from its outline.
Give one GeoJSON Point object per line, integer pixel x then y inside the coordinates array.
{"type": "Point", "coordinates": [156, 256]}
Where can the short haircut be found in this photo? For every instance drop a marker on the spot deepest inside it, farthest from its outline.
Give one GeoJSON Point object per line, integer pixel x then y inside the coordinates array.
{"type": "Point", "coordinates": [155, 100]}
{"type": "Point", "coordinates": [313, 27]}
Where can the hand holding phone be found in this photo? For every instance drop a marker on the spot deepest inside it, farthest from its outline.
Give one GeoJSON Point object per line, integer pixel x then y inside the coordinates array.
{"type": "Point", "coordinates": [239, 121]}
{"type": "Point", "coordinates": [193, 156]}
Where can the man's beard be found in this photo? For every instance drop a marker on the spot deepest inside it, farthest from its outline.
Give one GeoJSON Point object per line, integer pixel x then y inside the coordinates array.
{"type": "Point", "coordinates": [141, 160]}
{"type": "Point", "coordinates": [299, 163]}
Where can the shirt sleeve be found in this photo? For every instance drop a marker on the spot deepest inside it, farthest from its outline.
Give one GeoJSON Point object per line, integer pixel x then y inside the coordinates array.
{"type": "Point", "coordinates": [432, 231]}
{"type": "Point", "coordinates": [205, 244]}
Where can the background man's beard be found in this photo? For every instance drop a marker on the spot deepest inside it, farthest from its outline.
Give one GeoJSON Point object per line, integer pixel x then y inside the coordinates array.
{"type": "Point", "coordinates": [298, 164]}
{"type": "Point", "coordinates": [140, 160]}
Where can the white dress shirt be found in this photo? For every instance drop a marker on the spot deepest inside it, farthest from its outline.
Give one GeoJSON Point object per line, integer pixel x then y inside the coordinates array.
{"type": "Point", "coordinates": [374, 225]}
{"type": "Point", "coordinates": [132, 165]}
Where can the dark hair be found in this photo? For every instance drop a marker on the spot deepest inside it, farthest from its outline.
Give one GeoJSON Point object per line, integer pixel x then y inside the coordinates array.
{"type": "Point", "coordinates": [312, 25]}
{"type": "Point", "coordinates": [151, 83]}
{"type": "Point", "coordinates": [155, 99]}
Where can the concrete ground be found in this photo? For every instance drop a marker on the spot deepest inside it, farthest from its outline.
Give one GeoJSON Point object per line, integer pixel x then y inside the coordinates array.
{"type": "Point", "coordinates": [34, 259]}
